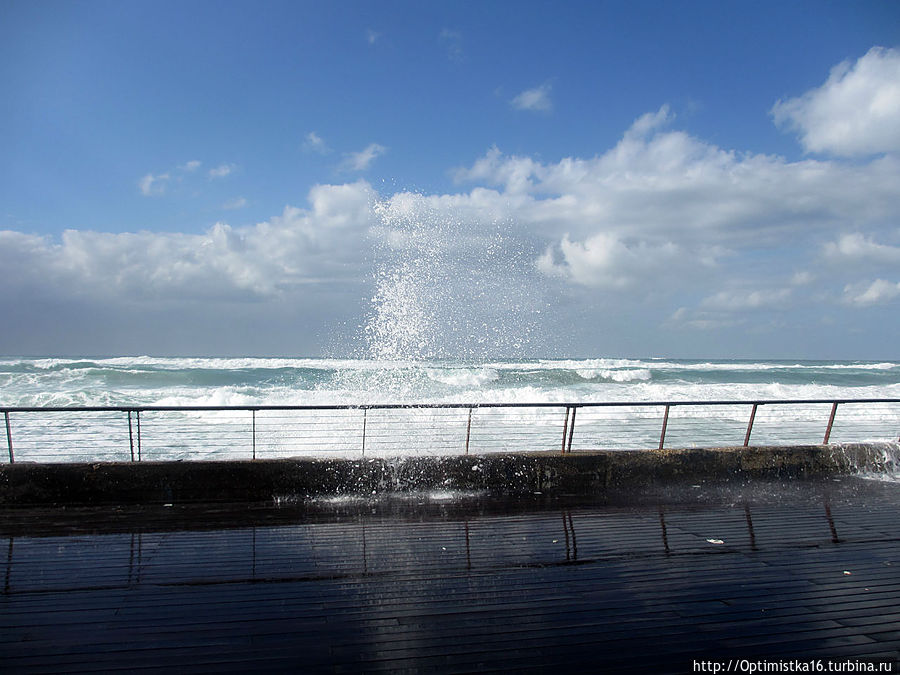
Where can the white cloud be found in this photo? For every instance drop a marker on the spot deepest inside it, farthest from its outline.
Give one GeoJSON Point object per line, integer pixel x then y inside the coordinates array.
{"type": "Point", "coordinates": [323, 243]}
{"type": "Point", "coordinates": [193, 165]}
{"type": "Point", "coordinates": [650, 122]}
{"type": "Point", "coordinates": [372, 36]}
{"type": "Point", "coordinates": [315, 143]}
{"type": "Point", "coordinates": [604, 261]}
{"type": "Point", "coordinates": [360, 161]}
{"type": "Point", "coordinates": [221, 171]}
{"type": "Point", "coordinates": [153, 185]}
{"type": "Point", "coordinates": [707, 234]}
{"type": "Point", "coordinates": [802, 278]}
{"type": "Point", "coordinates": [669, 183]}
{"type": "Point", "coordinates": [537, 99]}
{"type": "Point", "coordinates": [859, 248]}
{"type": "Point", "coordinates": [515, 173]}
{"type": "Point", "coordinates": [233, 204]}
{"type": "Point", "coordinates": [730, 308]}
{"type": "Point", "coordinates": [741, 300]}
{"type": "Point", "coordinates": [663, 214]}
{"type": "Point", "coordinates": [876, 293]}
{"type": "Point", "coordinates": [660, 188]}
{"type": "Point", "coordinates": [855, 112]}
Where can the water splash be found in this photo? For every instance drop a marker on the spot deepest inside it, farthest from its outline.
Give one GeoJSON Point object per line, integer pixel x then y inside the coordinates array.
{"type": "Point", "coordinates": [875, 461]}
{"type": "Point", "coordinates": [447, 287]}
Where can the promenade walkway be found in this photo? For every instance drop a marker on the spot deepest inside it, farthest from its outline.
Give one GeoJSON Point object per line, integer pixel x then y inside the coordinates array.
{"type": "Point", "coordinates": [442, 582]}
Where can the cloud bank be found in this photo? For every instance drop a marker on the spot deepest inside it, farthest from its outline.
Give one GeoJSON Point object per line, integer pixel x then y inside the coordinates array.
{"type": "Point", "coordinates": [317, 245]}
{"type": "Point", "coordinates": [707, 236]}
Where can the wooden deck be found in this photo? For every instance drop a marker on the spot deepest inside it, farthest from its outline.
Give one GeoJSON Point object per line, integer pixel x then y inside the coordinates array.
{"type": "Point", "coordinates": [425, 583]}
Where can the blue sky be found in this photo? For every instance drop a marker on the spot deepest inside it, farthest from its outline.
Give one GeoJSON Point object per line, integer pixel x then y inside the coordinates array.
{"type": "Point", "coordinates": [673, 178]}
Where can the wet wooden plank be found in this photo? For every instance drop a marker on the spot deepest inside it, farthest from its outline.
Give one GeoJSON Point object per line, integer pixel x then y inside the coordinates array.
{"type": "Point", "coordinates": [536, 588]}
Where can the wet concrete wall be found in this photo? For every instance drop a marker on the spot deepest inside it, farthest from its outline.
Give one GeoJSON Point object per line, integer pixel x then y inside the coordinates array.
{"type": "Point", "coordinates": [299, 478]}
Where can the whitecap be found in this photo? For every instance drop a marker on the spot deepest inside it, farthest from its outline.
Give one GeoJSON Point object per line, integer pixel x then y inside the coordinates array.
{"type": "Point", "coordinates": [460, 377]}
{"type": "Point", "coordinates": [635, 375]}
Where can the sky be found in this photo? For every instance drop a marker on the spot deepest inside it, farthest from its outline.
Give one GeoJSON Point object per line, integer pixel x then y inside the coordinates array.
{"type": "Point", "coordinates": [690, 179]}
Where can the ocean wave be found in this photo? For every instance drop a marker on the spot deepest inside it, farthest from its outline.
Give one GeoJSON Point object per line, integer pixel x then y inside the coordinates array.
{"type": "Point", "coordinates": [149, 380]}
{"type": "Point", "coordinates": [143, 363]}
{"type": "Point", "coordinates": [223, 396]}
{"type": "Point", "coordinates": [566, 364]}
{"type": "Point", "coordinates": [771, 365]}
{"type": "Point", "coordinates": [632, 375]}
{"type": "Point", "coordinates": [458, 377]}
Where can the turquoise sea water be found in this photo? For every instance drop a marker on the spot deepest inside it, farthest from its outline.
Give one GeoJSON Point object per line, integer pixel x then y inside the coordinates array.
{"type": "Point", "coordinates": [147, 380]}
{"type": "Point", "coordinates": [151, 381]}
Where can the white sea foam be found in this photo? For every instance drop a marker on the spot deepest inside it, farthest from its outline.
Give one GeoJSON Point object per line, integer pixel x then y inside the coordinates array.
{"type": "Point", "coordinates": [339, 433]}
{"type": "Point", "coordinates": [418, 382]}
{"type": "Point", "coordinates": [222, 396]}
{"type": "Point", "coordinates": [463, 377]}
{"type": "Point", "coordinates": [630, 375]}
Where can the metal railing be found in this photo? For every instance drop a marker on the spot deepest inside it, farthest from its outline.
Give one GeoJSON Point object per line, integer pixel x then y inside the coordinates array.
{"type": "Point", "coordinates": [139, 433]}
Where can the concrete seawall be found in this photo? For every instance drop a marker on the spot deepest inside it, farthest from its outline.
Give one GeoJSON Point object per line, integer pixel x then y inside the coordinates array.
{"type": "Point", "coordinates": [520, 473]}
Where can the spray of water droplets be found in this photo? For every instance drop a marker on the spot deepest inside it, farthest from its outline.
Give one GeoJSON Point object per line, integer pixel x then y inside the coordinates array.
{"type": "Point", "coordinates": [447, 287]}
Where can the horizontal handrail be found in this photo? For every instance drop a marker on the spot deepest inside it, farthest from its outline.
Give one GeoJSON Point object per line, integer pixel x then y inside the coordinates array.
{"type": "Point", "coordinates": [398, 429]}
{"type": "Point", "coordinates": [403, 406]}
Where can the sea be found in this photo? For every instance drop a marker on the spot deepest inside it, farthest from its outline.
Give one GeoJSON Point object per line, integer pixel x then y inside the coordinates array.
{"type": "Point", "coordinates": [212, 381]}
{"type": "Point", "coordinates": [697, 389]}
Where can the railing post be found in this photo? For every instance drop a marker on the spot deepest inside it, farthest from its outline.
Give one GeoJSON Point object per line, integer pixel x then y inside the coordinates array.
{"type": "Point", "coordinates": [468, 431]}
{"type": "Point", "coordinates": [830, 423]}
{"type": "Point", "coordinates": [750, 425]}
{"type": "Point", "coordinates": [130, 436]}
{"type": "Point", "coordinates": [12, 457]}
{"type": "Point", "coordinates": [139, 434]}
{"type": "Point", "coordinates": [565, 430]}
{"type": "Point", "coordinates": [571, 431]}
{"type": "Point", "coordinates": [253, 431]}
{"type": "Point", "coordinates": [365, 417]}
{"type": "Point", "coordinates": [662, 434]}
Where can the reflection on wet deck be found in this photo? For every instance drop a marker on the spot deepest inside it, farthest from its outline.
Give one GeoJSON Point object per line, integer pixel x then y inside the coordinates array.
{"type": "Point", "coordinates": [466, 584]}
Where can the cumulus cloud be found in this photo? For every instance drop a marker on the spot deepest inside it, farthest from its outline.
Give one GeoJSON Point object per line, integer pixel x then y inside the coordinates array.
{"type": "Point", "coordinates": [660, 214]}
{"type": "Point", "coordinates": [855, 112]}
{"type": "Point", "coordinates": [153, 185]}
{"type": "Point", "coordinates": [604, 261]}
{"type": "Point", "coordinates": [362, 160]}
{"type": "Point", "coordinates": [156, 184]}
{"type": "Point", "coordinates": [221, 171]}
{"type": "Point", "coordinates": [649, 122]}
{"type": "Point", "coordinates": [537, 99]}
{"type": "Point", "coordinates": [315, 143]}
{"type": "Point", "coordinates": [657, 186]}
{"type": "Point", "coordinates": [857, 247]}
{"type": "Point", "coordinates": [324, 243]}
{"type": "Point", "coordinates": [707, 233]}
{"type": "Point", "coordinates": [875, 293]}
{"type": "Point", "coordinates": [372, 36]}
